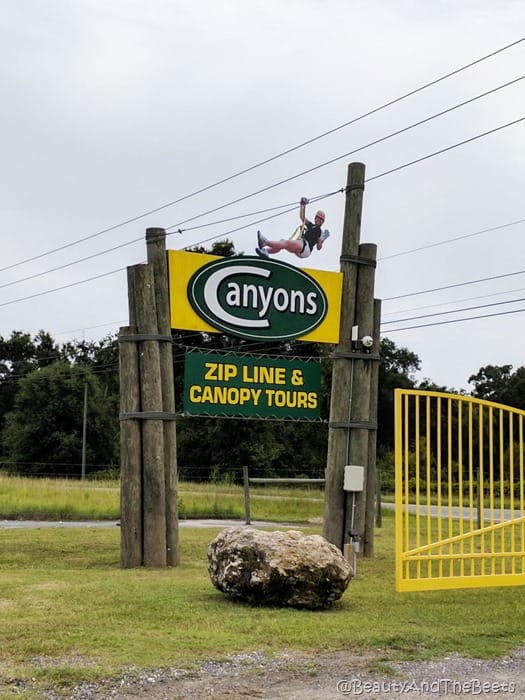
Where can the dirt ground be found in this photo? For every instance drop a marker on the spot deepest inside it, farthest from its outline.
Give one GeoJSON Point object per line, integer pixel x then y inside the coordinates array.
{"type": "Point", "coordinates": [321, 677]}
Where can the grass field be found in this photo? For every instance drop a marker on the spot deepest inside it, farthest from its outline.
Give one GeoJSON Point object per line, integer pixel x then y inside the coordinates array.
{"type": "Point", "coordinates": [67, 499]}
{"type": "Point", "coordinates": [69, 613]}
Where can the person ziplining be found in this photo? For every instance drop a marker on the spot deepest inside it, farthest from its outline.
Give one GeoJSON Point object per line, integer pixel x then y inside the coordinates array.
{"type": "Point", "coordinates": [311, 235]}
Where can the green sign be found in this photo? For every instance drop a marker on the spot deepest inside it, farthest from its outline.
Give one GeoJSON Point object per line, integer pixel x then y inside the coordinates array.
{"type": "Point", "coordinates": [258, 299]}
{"type": "Point", "coordinates": [251, 387]}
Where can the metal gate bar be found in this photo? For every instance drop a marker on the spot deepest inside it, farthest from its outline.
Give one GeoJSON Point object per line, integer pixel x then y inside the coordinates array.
{"type": "Point", "coordinates": [460, 492]}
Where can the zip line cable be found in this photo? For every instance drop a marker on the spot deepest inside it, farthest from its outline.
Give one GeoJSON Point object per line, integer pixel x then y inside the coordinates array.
{"type": "Point", "coordinates": [271, 159]}
{"type": "Point", "coordinates": [136, 240]}
{"type": "Point", "coordinates": [455, 320]}
{"type": "Point", "coordinates": [65, 286]}
{"type": "Point", "coordinates": [252, 223]}
{"type": "Point", "coordinates": [453, 286]}
{"type": "Point", "coordinates": [453, 311]}
{"type": "Point", "coordinates": [223, 206]}
{"type": "Point", "coordinates": [444, 150]}
{"type": "Point", "coordinates": [312, 200]}
{"type": "Point", "coordinates": [362, 148]}
{"type": "Point", "coordinates": [452, 240]}
{"type": "Point", "coordinates": [375, 177]}
{"type": "Point", "coordinates": [141, 239]}
{"type": "Point", "coordinates": [456, 301]}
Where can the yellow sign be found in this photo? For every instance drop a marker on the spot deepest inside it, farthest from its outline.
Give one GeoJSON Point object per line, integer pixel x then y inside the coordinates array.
{"type": "Point", "coordinates": [187, 314]}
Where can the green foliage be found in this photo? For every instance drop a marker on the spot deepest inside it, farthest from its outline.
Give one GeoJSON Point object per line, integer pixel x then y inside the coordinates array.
{"type": "Point", "coordinates": [385, 466]}
{"type": "Point", "coordinates": [46, 422]}
{"type": "Point", "coordinates": [396, 370]}
{"type": "Point", "coordinates": [500, 384]}
{"type": "Point", "coordinates": [41, 390]}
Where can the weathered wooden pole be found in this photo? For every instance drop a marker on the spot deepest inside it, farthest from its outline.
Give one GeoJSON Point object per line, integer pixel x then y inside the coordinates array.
{"type": "Point", "coordinates": [342, 376]}
{"type": "Point", "coordinates": [360, 425]}
{"type": "Point", "coordinates": [373, 500]}
{"type": "Point", "coordinates": [130, 452]}
{"type": "Point", "coordinates": [157, 257]}
{"type": "Point", "coordinates": [143, 312]}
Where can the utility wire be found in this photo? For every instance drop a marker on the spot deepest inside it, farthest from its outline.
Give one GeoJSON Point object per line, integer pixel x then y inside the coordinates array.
{"type": "Point", "coordinates": [65, 286]}
{"type": "Point", "coordinates": [236, 201]}
{"type": "Point", "coordinates": [453, 286]}
{"type": "Point", "coordinates": [368, 145]}
{"type": "Point", "coordinates": [456, 301]}
{"type": "Point", "coordinates": [252, 223]}
{"type": "Point", "coordinates": [456, 320]}
{"type": "Point", "coordinates": [128, 243]}
{"type": "Point", "coordinates": [375, 177]}
{"type": "Point", "coordinates": [271, 159]}
{"type": "Point", "coordinates": [452, 240]}
{"type": "Point", "coordinates": [453, 311]}
{"type": "Point", "coordinates": [444, 150]}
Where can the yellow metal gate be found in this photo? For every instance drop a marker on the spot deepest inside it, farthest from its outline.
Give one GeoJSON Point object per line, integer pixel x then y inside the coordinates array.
{"type": "Point", "coordinates": [460, 492]}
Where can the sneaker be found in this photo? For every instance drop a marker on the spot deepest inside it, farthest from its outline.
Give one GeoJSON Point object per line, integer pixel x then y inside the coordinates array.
{"type": "Point", "coordinates": [261, 240]}
{"type": "Point", "coordinates": [262, 252]}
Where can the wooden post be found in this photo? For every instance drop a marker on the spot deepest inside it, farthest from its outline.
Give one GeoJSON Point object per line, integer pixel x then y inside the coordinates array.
{"type": "Point", "coordinates": [130, 455]}
{"type": "Point", "coordinates": [372, 506]}
{"type": "Point", "coordinates": [342, 377]}
{"type": "Point", "coordinates": [156, 247]}
{"type": "Point", "coordinates": [84, 432]}
{"type": "Point", "coordinates": [360, 398]}
{"type": "Point", "coordinates": [141, 283]}
{"type": "Point", "coordinates": [246, 481]}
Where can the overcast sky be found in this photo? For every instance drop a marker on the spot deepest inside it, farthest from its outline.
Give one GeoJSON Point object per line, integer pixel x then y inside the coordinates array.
{"type": "Point", "coordinates": [113, 109]}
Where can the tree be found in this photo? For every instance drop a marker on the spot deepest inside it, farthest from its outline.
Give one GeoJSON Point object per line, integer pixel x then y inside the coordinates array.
{"type": "Point", "coordinates": [43, 432]}
{"type": "Point", "coordinates": [101, 357]}
{"type": "Point", "coordinates": [396, 369]}
{"type": "Point", "coordinates": [19, 355]}
{"type": "Point", "coordinates": [500, 384]}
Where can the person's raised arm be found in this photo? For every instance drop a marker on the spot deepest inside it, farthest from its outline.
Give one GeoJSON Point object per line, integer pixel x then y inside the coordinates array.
{"type": "Point", "coordinates": [302, 209]}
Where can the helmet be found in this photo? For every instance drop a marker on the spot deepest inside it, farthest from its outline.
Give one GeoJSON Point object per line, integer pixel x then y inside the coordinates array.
{"type": "Point", "coordinates": [321, 214]}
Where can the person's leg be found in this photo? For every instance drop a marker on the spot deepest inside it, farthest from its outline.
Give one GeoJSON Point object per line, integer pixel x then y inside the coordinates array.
{"type": "Point", "coordinates": [291, 246]}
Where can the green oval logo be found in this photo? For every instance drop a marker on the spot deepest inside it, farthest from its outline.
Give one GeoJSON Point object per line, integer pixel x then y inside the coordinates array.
{"type": "Point", "coordinates": [258, 299]}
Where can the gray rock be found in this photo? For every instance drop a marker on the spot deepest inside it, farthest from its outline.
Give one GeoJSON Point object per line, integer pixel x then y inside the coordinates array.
{"type": "Point", "coordinates": [277, 568]}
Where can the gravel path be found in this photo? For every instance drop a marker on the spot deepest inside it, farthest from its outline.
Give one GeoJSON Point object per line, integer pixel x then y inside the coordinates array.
{"type": "Point", "coordinates": [321, 677]}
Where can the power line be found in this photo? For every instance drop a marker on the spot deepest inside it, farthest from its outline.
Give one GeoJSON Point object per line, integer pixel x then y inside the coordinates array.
{"type": "Point", "coordinates": [447, 148]}
{"type": "Point", "coordinates": [375, 142]}
{"type": "Point", "coordinates": [456, 301]}
{"type": "Point", "coordinates": [269, 187]}
{"type": "Point", "coordinates": [65, 286]}
{"type": "Point", "coordinates": [453, 311]}
{"type": "Point", "coordinates": [124, 245]}
{"type": "Point", "coordinates": [253, 223]}
{"type": "Point", "coordinates": [375, 177]}
{"type": "Point", "coordinates": [452, 240]}
{"type": "Point", "coordinates": [271, 159]}
{"type": "Point", "coordinates": [456, 320]}
{"type": "Point", "coordinates": [458, 284]}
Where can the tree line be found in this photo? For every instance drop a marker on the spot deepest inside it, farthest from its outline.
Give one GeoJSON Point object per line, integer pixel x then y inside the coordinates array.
{"type": "Point", "coordinates": [48, 390]}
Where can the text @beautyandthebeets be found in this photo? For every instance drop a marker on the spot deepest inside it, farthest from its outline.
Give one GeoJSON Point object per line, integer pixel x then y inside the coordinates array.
{"type": "Point", "coordinates": [440, 687]}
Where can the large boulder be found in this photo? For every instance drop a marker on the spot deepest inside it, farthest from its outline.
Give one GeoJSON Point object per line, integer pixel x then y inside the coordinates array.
{"type": "Point", "coordinates": [277, 568]}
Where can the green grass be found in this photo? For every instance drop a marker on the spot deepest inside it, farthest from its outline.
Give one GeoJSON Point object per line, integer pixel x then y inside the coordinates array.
{"type": "Point", "coordinates": [58, 499]}
{"type": "Point", "coordinates": [65, 601]}
{"type": "Point", "coordinates": [67, 499]}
